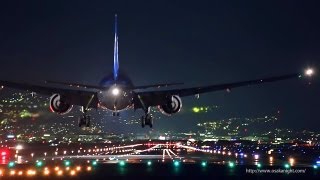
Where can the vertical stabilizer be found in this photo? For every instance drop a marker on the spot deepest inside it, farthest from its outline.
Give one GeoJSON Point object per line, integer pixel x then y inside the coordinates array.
{"type": "Point", "coordinates": [115, 53]}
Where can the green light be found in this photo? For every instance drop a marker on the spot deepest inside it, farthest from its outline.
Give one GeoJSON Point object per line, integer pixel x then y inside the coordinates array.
{"type": "Point", "coordinates": [315, 167]}
{"type": "Point", "coordinates": [67, 163]}
{"type": "Point", "coordinates": [11, 164]}
{"type": "Point", "coordinates": [231, 164]}
{"type": "Point", "coordinates": [39, 163]}
{"type": "Point", "coordinates": [287, 166]}
{"type": "Point", "coordinates": [122, 163]}
{"type": "Point", "coordinates": [195, 109]}
{"type": "Point", "coordinates": [259, 165]}
{"type": "Point", "coordinates": [176, 163]}
{"type": "Point", "coordinates": [203, 164]}
{"type": "Point", "coordinates": [94, 163]}
{"type": "Point", "coordinates": [149, 163]}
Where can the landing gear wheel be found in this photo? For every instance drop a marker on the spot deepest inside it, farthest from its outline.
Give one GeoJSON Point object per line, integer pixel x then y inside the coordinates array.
{"type": "Point", "coordinates": [84, 121]}
{"type": "Point", "coordinates": [87, 122]}
{"type": "Point", "coordinates": [148, 120]}
{"type": "Point", "coordinates": [143, 122]}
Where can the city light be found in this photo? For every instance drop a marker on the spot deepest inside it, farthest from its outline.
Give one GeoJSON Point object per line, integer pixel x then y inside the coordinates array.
{"type": "Point", "coordinates": [256, 156]}
{"type": "Point", "coordinates": [60, 173]}
{"type": "Point", "coordinates": [291, 161]}
{"type": "Point", "coordinates": [78, 168]}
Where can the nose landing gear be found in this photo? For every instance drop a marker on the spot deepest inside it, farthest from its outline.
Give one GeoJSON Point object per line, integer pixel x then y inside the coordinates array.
{"type": "Point", "coordinates": [147, 119]}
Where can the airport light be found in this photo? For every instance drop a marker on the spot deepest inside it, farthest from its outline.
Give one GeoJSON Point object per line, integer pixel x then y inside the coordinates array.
{"type": "Point", "coordinates": [231, 164]}
{"type": "Point", "coordinates": [67, 163]}
{"type": "Point", "coordinates": [20, 173]}
{"type": "Point", "coordinates": [60, 173]}
{"type": "Point", "coordinates": [287, 166]}
{"type": "Point", "coordinates": [1, 172]}
{"type": "Point", "coordinates": [315, 167]}
{"type": "Point", "coordinates": [72, 173]}
{"type": "Point", "coordinates": [19, 147]}
{"type": "Point", "coordinates": [203, 163]}
{"type": "Point", "coordinates": [176, 163]}
{"type": "Point", "coordinates": [78, 168]}
{"type": "Point", "coordinates": [46, 172]}
{"type": "Point", "coordinates": [89, 168]}
{"type": "Point", "coordinates": [94, 163]}
{"type": "Point", "coordinates": [259, 165]}
{"type": "Point", "coordinates": [122, 163]}
{"type": "Point", "coordinates": [11, 164]}
{"type": "Point", "coordinates": [12, 172]}
{"type": "Point", "coordinates": [39, 163]}
{"type": "Point", "coordinates": [149, 163]}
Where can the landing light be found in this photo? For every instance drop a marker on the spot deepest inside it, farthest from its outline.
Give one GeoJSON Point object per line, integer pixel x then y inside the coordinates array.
{"type": "Point", "coordinates": [309, 72]}
{"type": "Point", "coordinates": [115, 91]}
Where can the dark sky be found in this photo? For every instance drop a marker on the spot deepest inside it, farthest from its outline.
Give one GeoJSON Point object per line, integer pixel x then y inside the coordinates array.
{"type": "Point", "coordinates": [195, 42]}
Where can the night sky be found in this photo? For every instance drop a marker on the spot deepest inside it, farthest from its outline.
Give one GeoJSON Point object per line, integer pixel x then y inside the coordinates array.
{"type": "Point", "coordinates": [195, 42]}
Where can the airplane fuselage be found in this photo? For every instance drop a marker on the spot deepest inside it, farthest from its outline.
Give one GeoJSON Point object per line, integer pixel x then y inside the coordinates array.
{"type": "Point", "coordinates": [117, 96]}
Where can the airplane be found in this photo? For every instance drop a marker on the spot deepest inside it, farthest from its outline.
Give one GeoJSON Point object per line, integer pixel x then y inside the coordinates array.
{"type": "Point", "coordinates": [116, 93]}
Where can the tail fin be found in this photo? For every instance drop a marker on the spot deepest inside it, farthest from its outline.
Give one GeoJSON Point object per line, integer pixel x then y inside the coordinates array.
{"type": "Point", "coordinates": [115, 55]}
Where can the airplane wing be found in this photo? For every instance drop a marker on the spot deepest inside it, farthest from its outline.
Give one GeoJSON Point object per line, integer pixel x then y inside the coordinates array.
{"type": "Point", "coordinates": [105, 87]}
{"type": "Point", "coordinates": [154, 98]}
{"type": "Point", "coordinates": [76, 97]}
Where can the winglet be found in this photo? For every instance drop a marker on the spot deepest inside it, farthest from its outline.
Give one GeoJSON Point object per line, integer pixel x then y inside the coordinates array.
{"type": "Point", "coordinates": [115, 55]}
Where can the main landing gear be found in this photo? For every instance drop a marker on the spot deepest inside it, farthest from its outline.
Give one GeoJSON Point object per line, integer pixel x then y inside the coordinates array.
{"type": "Point", "coordinates": [84, 120]}
{"type": "Point", "coordinates": [147, 119]}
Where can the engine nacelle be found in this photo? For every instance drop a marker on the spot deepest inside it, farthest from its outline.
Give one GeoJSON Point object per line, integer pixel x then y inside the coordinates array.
{"type": "Point", "coordinates": [58, 105]}
{"type": "Point", "coordinates": [173, 105]}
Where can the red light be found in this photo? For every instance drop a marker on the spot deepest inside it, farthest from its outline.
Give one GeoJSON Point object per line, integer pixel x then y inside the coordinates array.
{"type": "Point", "coordinates": [3, 153]}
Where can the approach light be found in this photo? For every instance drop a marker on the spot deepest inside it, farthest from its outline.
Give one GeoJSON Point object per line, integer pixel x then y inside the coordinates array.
{"type": "Point", "coordinates": [309, 72]}
{"type": "Point", "coordinates": [115, 91]}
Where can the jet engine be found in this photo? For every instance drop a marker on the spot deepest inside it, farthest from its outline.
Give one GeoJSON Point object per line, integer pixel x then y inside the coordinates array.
{"type": "Point", "coordinates": [173, 105]}
{"type": "Point", "coordinates": [59, 105]}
